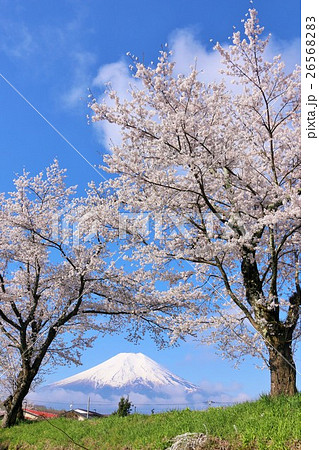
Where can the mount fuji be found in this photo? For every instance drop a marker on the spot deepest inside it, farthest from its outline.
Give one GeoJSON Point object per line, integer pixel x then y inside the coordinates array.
{"type": "Point", "coordinates": [126, 373]}
{"type": "Point", "coordinates": [149, 386]}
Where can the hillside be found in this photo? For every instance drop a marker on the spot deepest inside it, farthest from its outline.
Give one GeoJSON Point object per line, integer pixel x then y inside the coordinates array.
{"type": "Point", "coordinates": [269, 423]}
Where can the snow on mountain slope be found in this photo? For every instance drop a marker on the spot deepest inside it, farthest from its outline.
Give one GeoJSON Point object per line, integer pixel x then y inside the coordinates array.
{"type": "Point", "coordinates": [127, 370]}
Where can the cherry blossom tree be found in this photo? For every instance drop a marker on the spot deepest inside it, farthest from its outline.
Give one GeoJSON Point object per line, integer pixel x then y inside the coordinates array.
{"type": "Point", "coordinates": [60, 284]}
{"type": "Point", "coordinates": [218, 169]}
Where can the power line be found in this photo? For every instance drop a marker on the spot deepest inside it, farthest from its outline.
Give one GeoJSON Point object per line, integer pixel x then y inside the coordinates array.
{"type": "Point", "coordinates": [135, 404]}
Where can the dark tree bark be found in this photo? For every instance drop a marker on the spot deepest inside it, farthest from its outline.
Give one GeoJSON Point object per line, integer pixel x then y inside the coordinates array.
{"type": "Point", "coordinates": [13, 404]}
{"type": "Point", "coordinates": [276, 333]}
{"type": "Point", "coordinates": [282, 370]}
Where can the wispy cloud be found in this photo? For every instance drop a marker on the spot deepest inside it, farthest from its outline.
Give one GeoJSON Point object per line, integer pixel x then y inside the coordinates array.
{"type": "Point", "coordinates": [52, 53]}
{"type": "Point", "coordinates": [17, 40]}
{"type": "Point", "coordinates": [77, 91]}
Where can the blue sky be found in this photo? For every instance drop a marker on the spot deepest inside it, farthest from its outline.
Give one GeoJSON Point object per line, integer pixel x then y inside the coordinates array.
{"type": "Point", "coordinates": [52, 52]}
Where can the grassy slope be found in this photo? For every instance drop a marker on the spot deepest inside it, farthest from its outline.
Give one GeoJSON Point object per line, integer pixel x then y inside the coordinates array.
{"type": "Point", "coordinates": [264, 424]}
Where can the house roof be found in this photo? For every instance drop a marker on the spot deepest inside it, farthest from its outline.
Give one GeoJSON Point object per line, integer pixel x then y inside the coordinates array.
{"type": "Point", "coordinates": [83, 412]}
{"type": "Point", "coordinates": [44, 414]}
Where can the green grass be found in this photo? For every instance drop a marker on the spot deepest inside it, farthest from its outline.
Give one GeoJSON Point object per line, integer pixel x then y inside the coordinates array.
{"type": "Point", "coordinates": [269, 423]}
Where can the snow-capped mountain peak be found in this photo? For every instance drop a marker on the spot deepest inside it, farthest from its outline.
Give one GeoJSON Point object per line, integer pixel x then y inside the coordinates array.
{"type": "Point", "coordinates": [127, 370]}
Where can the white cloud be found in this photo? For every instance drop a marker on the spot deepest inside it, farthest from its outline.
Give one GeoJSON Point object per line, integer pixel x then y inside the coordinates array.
{"type": "Point", "coordinates": [187, 50]}
{"type": "Point", "coordinates": [289, 50]}
{"type": "Point", "coordinates": [117, 74]}
{"type": "Point", "coordinates": [166, 399]}
{"type": "Point", "coordinates": [220, 393]}
{"type": "Point", "coordinates": [119, 77]}
{"type": "Point", "coordinates": [60, 398]}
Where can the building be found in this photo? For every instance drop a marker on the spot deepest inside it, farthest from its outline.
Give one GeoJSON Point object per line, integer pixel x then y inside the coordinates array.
{"type": "Point", "coordinates": [83, 414]}
{"type": "Point", "coordinates": [32, 414]}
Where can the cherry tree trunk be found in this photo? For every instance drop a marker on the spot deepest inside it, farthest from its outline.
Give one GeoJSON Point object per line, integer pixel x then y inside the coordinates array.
{"type": "Point", "coordinates": [13, 404]}
{"type": "Point", "coordinates": [282, 370]}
